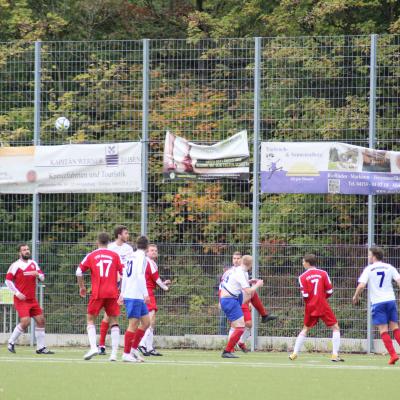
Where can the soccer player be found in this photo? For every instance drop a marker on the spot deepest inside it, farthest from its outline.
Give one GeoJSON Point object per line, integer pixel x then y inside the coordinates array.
{"type": "Point", "coordinates": [379, 276]}
{"type": "Point", "coordinates": [234, 287]}
{"type": "Point", "coordinates": [21, 280]}
{"type": "Point", "coordinates": [105, 268]}
{"type": "Point", "coordinates": [152, 280]}
{"type": "Point", "coordinates": [125, 252]}
{"type": "Point", "coordinates": [254, 301]}
{"type": "Point", "coordinates": [135, 296]}
{"type": "Point", "coordinates": [316, 288]}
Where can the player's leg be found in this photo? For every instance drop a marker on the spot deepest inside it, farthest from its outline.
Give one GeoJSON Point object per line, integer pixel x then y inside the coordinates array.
{"type": "Point", "coordinates": [113, 311]}
{"type": "Point", "coordinates": [150, 337]}
{"type": "Point", "coordinates": [140, 331]}
{"type": "Point", "coordinates": [93, 310]}
{"type": "Point", "coordinates": [335, 343]}
{"type": "Point", "coordinates": [24, 321]}
{"type": "Point", "coordinates": [394, 324]}
{"type": "Point", "coordinates": [259, 306]}
{"type": "Point", "coordinates": [104, 326]}
{"type": "Point", "coordinates": [234, 313]}
{"type": "Point", "coordinates": [381, 317]}
{"type": "Point", "coordinates": [309, 323]}
{"type": "Point", "coordinates": [40, 334]}
{"type": "Point", "coordinates": [247, 330]}
{"type": "Point", "coordinates": [133, 324]}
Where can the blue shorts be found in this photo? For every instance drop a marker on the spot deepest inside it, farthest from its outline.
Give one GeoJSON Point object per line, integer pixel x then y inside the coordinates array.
{"type": "Point", "coordinates": [383, 313]}
{"type": "Point", "coordinates": [231, 308]}
{"type": "Point", "coordinates": [135, 308]}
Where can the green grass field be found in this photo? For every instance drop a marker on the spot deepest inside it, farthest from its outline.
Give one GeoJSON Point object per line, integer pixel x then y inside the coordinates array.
{"type": "Point", "coordinates": [194, 374]}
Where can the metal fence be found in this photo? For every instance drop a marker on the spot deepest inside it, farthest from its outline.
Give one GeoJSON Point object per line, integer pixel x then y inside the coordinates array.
{"type": "Point", "coordinates": [284, 89]}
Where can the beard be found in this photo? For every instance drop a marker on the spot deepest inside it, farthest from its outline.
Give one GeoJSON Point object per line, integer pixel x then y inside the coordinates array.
{"type": "Point", "coordinates": [26, 256]}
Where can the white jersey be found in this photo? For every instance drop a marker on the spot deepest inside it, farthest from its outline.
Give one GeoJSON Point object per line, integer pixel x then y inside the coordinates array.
{"type": "Point", "coordinates": [125, 251]}
{"type": "Point", "coordinates": [379, 277]}
{"type": "Point", "coordinates": [235, 280]}
{"type": "Point", "coordinates": [133, 279]}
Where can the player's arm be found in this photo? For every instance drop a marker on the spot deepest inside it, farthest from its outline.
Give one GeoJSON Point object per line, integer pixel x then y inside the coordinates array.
{"type": "Point", "coordinates": [362, 283]}
{"type": "Point", "coordinates": [361, 286]}
{"type": "Point", "coordinates": [81, 282]}
{"type": "Point", "coordinates": [10, 282]}
{"type": "Point", "coordinates": [40, 273]}
{"type": "Point", "coordinates": [247, 290]}
{"type": "Point", "coordinates": [163, 285]}
{"type": "Point", "coordinates": [328, 286]}
{"type": "Point", "coordinates": [303, 290]}
{"type": "Point", "coordinates": [141, 279]}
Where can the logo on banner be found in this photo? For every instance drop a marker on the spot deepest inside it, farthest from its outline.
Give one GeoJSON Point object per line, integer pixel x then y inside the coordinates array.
{"type": "Point", "coordinates": [112, 155]}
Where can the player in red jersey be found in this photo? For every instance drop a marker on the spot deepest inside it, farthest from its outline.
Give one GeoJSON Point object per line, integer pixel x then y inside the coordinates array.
{"type": "Point", "coordinates": [105, 268]}
{"type": "Point", "coordinates": [21, 280]}
{"type": "Point", "coordinates": [316, 288]}
{"type": "Point", "coordinates": [152, 280]}
{"type": "Point", "coordinates": [254, 301]}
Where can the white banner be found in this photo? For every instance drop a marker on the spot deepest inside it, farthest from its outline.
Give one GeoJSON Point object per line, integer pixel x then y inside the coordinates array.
{"type": "Point", "coordinates": [74, 168]}
{"type": "Point", "coordinates": [226, 159]}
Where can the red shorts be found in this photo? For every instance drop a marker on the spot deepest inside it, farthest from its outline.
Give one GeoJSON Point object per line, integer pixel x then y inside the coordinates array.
{"type": "Point", "coordinates": [27, 308]}
{"type": "Point", "coordinates": [110, 306]}
{"type": "Point", "coordinates": [152, 306]}
{"type": "Point", "coordinates": [246, 312]}
{"type": "Point", "coordinates": [328, 317]}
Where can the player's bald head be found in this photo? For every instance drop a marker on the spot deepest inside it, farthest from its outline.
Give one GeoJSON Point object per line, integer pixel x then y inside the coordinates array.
{"type": "Point", "coordinates": [247, 261]}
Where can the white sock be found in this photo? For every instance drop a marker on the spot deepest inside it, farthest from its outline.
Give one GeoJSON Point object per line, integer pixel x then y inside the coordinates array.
{"type": "Point", "coordinates": [18, 331]}
{"type": "Point", "coordinates": [245, 336]}
{"type": "Point", "coordinates": [39, 333]}
{"type": "Point", "coordinates": [299, 342]}
{"type": "Point", "coordinates": [335, 342]}
{"type": "Point", "coordinates": [230, 332]}
{"type": "Point", "coordinates": [91, 330]}
{"type": "Point", "coordinates": [150, 338]}
{"type": "Point", "coordinates": [115, 333]}
{"type": "Point", "coordinates": [144, 339]}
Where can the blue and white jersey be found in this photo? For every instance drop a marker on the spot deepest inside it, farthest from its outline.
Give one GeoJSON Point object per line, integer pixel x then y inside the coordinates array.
{"type": "Point", "coordinates": [379, 277]}
{"type": "Point", "coordinates": [235, 280]}
{"type": "Point", "coordinates": [125, 251]}
{"type": "Point", "coordinates": [133, 280]}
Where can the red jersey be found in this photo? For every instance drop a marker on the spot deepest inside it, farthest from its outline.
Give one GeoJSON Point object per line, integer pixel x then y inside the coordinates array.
{"type": "Point", "coordinates": [151, 274]}
{"type": "Point", "coordinates": [315, 287]}
{"type": "Point", "coordinates": [19, 274]}
{"type": "Point", "coordinates": [104, 266]}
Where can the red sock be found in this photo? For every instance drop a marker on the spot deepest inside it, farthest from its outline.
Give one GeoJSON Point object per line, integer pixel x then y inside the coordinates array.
{"type": "Point", "coordinates": [103, 333]}
{"type": "Point", "coordinates": [258, 305]}
{"type": "Point", "coordinates": [387, 341]}
{"type": "Point", "coordinates": [129, 336]}
{"type": "Point", "coordinates": [234, 339]}
{"type": "Point", "coordinates": [396, 334]}
{"type": "Point", "coordinates": [138, 337]}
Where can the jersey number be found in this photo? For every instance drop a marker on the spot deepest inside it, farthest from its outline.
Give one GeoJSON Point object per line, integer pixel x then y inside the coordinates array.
{"type": "Point", "coordinates": [104, 266]}
{"type": "Point", "coordinates": [382, 275]}
{"type": "Point", "coordinates": [315, 282]}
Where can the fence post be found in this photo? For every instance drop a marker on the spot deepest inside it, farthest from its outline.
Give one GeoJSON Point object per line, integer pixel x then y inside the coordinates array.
{"type": "Point", "coordinates": [145, 135]}
{"type": "Point", "coordinates": [371, 199]}
{"type": "Point", "coordinates": [36, 142]}
{"type": "Point", "coordinates": [256, 185]}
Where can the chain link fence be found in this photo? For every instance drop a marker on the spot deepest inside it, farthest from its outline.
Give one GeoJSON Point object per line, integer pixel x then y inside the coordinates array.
{"type": "Point", "coordinates": [311, 89]}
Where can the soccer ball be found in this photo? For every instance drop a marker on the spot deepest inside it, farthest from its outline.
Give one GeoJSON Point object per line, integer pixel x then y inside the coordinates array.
{"type": "Point", "coordinates": [62, 123]}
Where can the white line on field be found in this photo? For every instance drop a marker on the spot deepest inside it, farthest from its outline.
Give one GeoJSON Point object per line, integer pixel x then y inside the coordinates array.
{"type": "Point", "coordinates": [200, 363]}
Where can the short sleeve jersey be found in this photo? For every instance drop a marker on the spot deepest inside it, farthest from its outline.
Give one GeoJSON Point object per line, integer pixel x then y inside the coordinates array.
{"type": "Point", "coordinates": [379, 277]}
{"type": "Point", "coordinates": [235, 281]}
{"type": "Point", "coordinates": [104, 266]}
{"type": "Point", "coordinates": [315, 287]}
{"type": "Point", "coordinates": [151, 274]}
{"type": "Point", "coordinates": [19, 273]}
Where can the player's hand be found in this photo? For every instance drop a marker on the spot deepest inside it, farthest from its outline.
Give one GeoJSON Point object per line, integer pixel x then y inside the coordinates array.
{"type": "Point", "coordinates": [82, 292]}
{"type": "Point", "coordinates": [120, 300]}
{"type": "Point", "coordinates": [259, 283]}
{"type": "Point", "coordinates": [20, 296]}
{"type": "Point", "coordinates": [146, 299]}
{"type": "Point", "coordinates": [355, 300]}
{"type": "Point", "coordinates": [167, 282]}
{"type": "Point", "coordinates": [253, 281]}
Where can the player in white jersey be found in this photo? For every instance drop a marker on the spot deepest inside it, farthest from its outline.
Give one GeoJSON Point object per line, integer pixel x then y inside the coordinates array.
{"type": "Point", "coordinates": [234, 287]}
{"type": "Point", "coordinates": [379, 276]}
{"type": "Point", "coordinates": [125, 252]}
{"type": "Point", "coordinates": [135, 296]}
